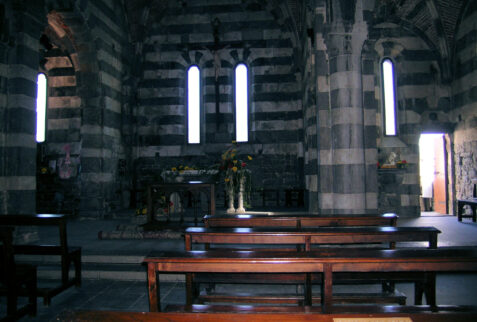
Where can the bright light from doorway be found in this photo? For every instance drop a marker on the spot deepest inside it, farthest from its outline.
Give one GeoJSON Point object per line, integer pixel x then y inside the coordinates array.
{"type": "Point", "coordinates": [427, 162]}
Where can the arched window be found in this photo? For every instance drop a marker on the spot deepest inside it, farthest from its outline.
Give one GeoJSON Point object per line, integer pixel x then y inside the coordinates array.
{"type": "Point", "coordinates": [389, 97]}
{"type": "Point", "coordinates": [193, 105]}
{"type": "Point", "coordinates": [241, 103]}
{"type": "Point", "coordinates": [41, 96]}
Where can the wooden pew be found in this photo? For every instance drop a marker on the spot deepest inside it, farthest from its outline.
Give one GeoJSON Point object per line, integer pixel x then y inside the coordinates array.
{"type": "Point", "coordinates": [328, 262]}
{"type": "Point", "coordinates": [68, 254]}
{"type": "Point", "coordinates": [203, 314]}
{"type": "Point", "coordinates": [299, 220]}
{"type": "Point", "coordinates": [14, 278]}
{"type": "Point", "coordinates": [305, 238]}
{"type": "Point", "coordinates": [309, 236]}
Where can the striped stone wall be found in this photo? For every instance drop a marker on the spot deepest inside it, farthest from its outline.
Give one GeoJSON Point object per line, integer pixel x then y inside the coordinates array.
{"type": "Point", "coordinates": [316, 80]}
{"type": "Point", "coordinates": [465, 104]}
{"type": "Point", "coordinates": [102, 145]}
{"type": "Point", "coordinates": [249, 32]}
{"type": "Point", "coordinates": [423, 106]}
{"type": "Point", "coordinates": [85, 68]}
{"type": "Point", "coordinates": [18, 70]}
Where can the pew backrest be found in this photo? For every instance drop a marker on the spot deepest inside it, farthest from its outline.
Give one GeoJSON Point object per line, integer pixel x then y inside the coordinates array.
{"type": "Point", "coordinates": [299, 220]}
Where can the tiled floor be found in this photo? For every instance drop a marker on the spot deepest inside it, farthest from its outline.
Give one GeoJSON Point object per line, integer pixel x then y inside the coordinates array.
{"type": "Point", "coordinates": [132, 295]}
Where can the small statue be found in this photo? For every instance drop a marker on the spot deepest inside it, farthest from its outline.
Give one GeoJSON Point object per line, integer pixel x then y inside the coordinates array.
{"type": "Point", "coordinates": [392, 159]}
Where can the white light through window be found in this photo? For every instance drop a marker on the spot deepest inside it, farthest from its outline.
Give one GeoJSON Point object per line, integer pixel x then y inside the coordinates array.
{"type": "Point", "coordinates": [241, 103]}
{"type": "Point", "coordinates": [193, 103]}
{"type": "Point", "coordinates": [41, 107]}
{"type": "Point", "coordinates": [389, 99]}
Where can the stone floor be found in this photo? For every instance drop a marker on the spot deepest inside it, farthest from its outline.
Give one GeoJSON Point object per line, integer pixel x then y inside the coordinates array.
{"type": "Point", "coordinates": [131, 295]}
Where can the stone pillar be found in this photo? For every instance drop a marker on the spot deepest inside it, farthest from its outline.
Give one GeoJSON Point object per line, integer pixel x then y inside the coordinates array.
{"type": "Point", "coordinates": [342, 153]}
{"type": "Point", "coordinates": [19, 55]}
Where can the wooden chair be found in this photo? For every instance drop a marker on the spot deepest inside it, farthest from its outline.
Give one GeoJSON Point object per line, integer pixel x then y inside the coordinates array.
{"type": "Point", "coordinates": [15, 279]}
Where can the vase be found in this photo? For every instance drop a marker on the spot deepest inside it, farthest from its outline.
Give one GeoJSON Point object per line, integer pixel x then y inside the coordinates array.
{"type": "Point", "coordinates": [240, 209]}
{"type": "Point", "coordinates": [230, 196]}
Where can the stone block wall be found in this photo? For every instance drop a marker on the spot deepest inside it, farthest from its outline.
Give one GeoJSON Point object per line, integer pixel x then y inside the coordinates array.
{"type": "Point", "coordinates": [18, 71]}
{"type": "Point", "coordinates": [83, 56]}
{"type": "Point", "coordinates": [247, 33]}
{"type": "Point", "coordinates": [465, 105]}
{"type": "Point", "coordinates": [423, 100]}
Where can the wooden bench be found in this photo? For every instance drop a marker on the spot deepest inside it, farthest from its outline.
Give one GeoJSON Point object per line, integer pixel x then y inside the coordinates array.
{"type": "Point", "coordinates": [327, 262]}
{"type": "Point", "coordinates": [472, 202]}
{"type": "Point", "coordinates": [15, 278]}
{"type": "Point", "coordinates": [202, 313]}
{"type": "Point", "coordinates": [299, 220]}
{"type": "Point", "coordinates": [68, 254]}
{"type": "Point", "coordinates": [305, 238]}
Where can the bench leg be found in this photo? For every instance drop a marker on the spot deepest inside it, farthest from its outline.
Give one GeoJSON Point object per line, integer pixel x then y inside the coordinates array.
{"type": "Point", "coordinates": [32, 287]}
{"type": "Point", "coordinates": [308, 290]}
{"type": "Point", "coordinates": [153, 289]}
{"type": "Point", "coordinates": [327, 289]}
{"type": "Point", "coordinates": [418, 293]}
{"type": "Point", "coordinates": [78, 272]}
{"type": "Point", "coordinates": [430, 289]}
{"type": "Point", "coordinates": [189, 289]}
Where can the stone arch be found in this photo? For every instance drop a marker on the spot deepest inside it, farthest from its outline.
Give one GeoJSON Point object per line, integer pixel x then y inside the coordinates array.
{"type": "Point", "coordinates": [72, 67]}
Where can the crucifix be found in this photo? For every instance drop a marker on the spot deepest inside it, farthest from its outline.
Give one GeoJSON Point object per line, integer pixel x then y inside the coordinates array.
{"type": "Point", "coordinates": [217, 65]}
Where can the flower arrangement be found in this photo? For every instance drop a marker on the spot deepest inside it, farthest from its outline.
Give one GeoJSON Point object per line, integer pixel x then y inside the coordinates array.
{"type": "Point", "coordinates": [401, 164]}
{"type": "Point", "coordinates": [237, 176]}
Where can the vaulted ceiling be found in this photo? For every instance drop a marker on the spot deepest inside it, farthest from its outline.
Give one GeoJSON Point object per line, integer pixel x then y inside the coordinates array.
{"type": "Point", "coordinates": [435, 19]}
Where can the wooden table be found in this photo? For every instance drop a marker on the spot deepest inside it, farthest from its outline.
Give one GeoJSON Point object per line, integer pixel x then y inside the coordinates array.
{"type": "Point", "coordinates": [299, 220]}
{"type": "Point", "coordinates": [181, 188]}
{"type": "Point", "coordinates": [325, 261]}
{"type": "Point", "coordinates": [472, 202]}
{"type": "Point", "coordinates": [308, 236]}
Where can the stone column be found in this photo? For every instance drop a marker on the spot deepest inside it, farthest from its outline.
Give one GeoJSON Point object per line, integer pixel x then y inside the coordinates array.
{"type": "Point", "coordinates": [19, 56]}
{"type": "Point", "coordinates": [342, 161]}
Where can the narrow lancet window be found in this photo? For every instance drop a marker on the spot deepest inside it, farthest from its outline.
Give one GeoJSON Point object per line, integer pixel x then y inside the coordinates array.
{"type": "Point", "coordinates": [41, 97]}
{"type": "Point", "coordinates": [193, 104]}
{"type": "Point", "coordinates": [241, 103]}
{"type": "Point", "coordinates": [389, 97]}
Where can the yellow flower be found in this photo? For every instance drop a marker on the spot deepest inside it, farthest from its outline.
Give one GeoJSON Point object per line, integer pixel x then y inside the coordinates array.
{"type": "Point", "coordinates": [234, 161]}
{"type": "Point", "coordinates": [232, 155]}
{"type": "Point", "coordinates": [174, 169]}
{"type": "Point", "coordinates": [43, 170]}
{"type": "Point", "coordinates": [234, 169]}
{"type": "Point", "coordinates": [186, 167]}
{"type": "Point", "coordinates": [234, 141]}
{"type": "Point", "coordinates": [249, 157]}
{"type": "Point", "coordinates": [144, 211]}
{"type": "Point", "coordinates": [227, 179]}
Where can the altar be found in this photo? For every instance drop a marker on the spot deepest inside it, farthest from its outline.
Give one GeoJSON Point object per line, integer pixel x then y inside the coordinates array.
{"type": "Point", "coordinates": [189, 191]}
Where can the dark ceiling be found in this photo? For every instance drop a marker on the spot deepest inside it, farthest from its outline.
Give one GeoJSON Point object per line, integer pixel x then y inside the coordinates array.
{"type": "Point", "coordinates": [436, 20]}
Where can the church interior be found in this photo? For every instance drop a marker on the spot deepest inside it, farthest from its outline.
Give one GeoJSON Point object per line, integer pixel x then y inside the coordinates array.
{"type": "Point", "coordinates": [128, 121]}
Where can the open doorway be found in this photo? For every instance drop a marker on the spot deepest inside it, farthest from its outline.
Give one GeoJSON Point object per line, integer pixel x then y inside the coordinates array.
{"type": "Point", "coordinates": [433, 174]}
